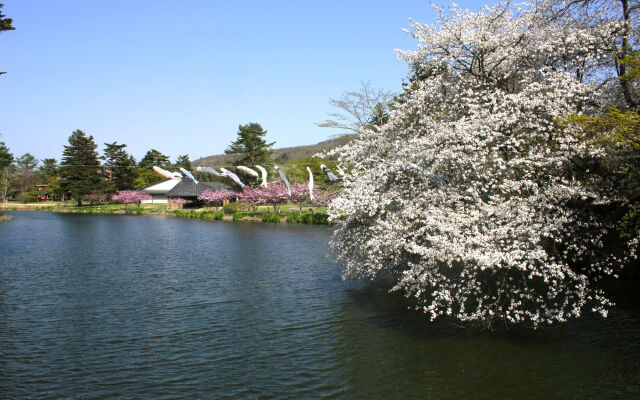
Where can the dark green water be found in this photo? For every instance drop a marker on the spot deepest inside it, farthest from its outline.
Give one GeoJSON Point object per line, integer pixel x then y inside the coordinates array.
{"type": "Point", "coordinates": [156, 307]}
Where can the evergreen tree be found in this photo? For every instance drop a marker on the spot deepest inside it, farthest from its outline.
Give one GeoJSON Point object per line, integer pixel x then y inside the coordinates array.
{"type": "Point", "coordinates": [121, 166]}
{"type": "Point", "coordinates": [6, 162]}
{"type": "Point", "coordinates": [25, 171]}
{"type": "Point", "coordinates": [184, 162]}
{"type": "Point", "coordinates": [48, 169]}
{"type": "Point", "coordinates": [80, 171]}
{"type": "Point", "coordinates": [5, 24]}
{"type": "Point", "coordinates": [250, 147]}
{"type": "Point", "coordinates": [154, 157]}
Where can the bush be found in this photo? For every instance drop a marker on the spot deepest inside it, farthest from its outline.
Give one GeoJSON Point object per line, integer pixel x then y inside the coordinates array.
{"type": "Point", "coordinates": [219, 215]}
{"type": "Point", "coordinates": [231, 208]}
{"type": "Point", "coordinates": [237, 216]}
{"type": "Point", "coordinates": [312, 219]}
{"type": "Point", "coordinates": [271, 217]}
{"type": "Point", "coordinates": [25, 197]}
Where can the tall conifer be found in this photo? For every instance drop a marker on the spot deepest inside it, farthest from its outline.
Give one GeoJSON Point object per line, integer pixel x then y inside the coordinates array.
{"type": "Point", "coordinates": [80, 172]}
{"type": "Point", "coordinates": [250, 146]}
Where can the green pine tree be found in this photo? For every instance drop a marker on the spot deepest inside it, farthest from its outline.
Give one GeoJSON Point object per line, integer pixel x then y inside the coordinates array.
{"type": "Point", "coordinates": [6, 163]}
{"type": "Point", "coordinates": [184, 162]}
{"type": "Point", "coordinates": [5, 23]}
{"type": "Point", "coordinates": [250, 147]}
{"type": "Point", "coordinates": [154, 157]}
{"type": "Point", "coordinates": [80, 172]}
{"type": "Point", "coordinates": [121, 166]}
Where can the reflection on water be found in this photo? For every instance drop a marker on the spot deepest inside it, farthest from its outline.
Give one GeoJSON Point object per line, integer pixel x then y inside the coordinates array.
{"type": "Point", "coordinates": [130, 306]}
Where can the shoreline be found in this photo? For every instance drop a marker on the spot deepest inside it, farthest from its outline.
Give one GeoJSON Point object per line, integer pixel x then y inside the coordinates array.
{"type": "Point", "coordinates": [212, 214]}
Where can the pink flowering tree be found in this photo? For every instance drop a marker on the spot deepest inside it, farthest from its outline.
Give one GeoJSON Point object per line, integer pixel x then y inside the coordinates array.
{"type": "Point", "coordinates": [180, 200]}
{"type": "Point", "coordinates": [95, 198]}
{"type": "Point", "coordinates": [322, 198]}
{"type": "Point", "coordinates": [218, 196]}
{"type": "Point", "coordinates": [127, 197]}
{"type": "Point", "coordinates": [275, 195]}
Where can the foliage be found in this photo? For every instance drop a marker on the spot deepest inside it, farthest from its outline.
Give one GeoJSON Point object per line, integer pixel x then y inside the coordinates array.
{"type": "Point", "coordinates": [297, 170]}
{"type": "Point", "coordinates": [48, 169]}
{"type": "Point", "coordinates": [184, 162]}
{"type": "Point", "coordinates": [146, 177]}
{"type": "Point", "coordinates": [5, 23]}
{"type": "Point", "coordinates": [365, 107]}
{"type": "Point", "coordinates": [6, 158]}
{"type": "Point", "coordinates": [6, 163]}
{"type": "Point", "coordinates": [271, 217]}
{"type": "Point", "coordinates": [467, 196]}
{"type": "Point", "coordinates": [250, 147]}
{"type": "Point", "coordinates": [121, 167]}
{"type": "Point", "coordinates": [237, 216]}
{"type": "Point", "coordinates": [154, 157]}
{"type": "Point", "coordinates": [25, 197]}
{"type": "Point", "coordinates": [230, 208]}
{"type": "Point", "coordinates": [130, 197]}
{"type": "Point", "coordinates": [25, 174]}
{"type": "Point", "coordinates": [95, 198]}
{"type": "Point", "coordinates": [80, 172]}
{"type": "Point", "coordinates": [315, 219]}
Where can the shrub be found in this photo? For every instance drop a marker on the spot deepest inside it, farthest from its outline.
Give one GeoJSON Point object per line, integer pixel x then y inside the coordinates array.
{"type": "Point", "coordinates": [237, 216]}
{"type": "Point", "coordinates": [230, 208]}
{"type": "Point", "coordinates": [271, 217]}
{"type": "Point", "coordinates": [25, 197]}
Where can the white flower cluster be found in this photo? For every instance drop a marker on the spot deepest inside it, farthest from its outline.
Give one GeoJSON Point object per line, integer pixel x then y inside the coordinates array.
{"type": "Point", "coordinates": [467, 195]}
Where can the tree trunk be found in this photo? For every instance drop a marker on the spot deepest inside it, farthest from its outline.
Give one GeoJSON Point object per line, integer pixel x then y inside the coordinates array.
{"type": "Point", "coordinates": [627, 87]}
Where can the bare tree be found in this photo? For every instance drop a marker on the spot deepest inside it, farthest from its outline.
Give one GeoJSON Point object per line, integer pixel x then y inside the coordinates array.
{"type": "Point", "coordinates": [366, 106]}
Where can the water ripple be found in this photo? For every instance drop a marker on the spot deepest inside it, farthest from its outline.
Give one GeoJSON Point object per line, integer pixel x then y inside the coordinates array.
{"type": "Point", "coordinates": [153, 307]}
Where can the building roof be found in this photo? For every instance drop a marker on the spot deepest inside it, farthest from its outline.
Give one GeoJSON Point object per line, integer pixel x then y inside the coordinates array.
{"type": "Point", "coordinates": [188, 188]}
{"type": "Point", "coordinates": [161, 187]}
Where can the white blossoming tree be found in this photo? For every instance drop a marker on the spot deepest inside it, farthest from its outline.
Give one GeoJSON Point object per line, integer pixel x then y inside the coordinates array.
{"type": "Point", "coordinates": [469, 196]}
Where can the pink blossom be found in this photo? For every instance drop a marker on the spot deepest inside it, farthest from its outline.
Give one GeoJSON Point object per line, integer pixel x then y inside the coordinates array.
{"type": "Point", "coordinates": [218, 196]}
{"type": "Point", "coordinates": [130, 196]}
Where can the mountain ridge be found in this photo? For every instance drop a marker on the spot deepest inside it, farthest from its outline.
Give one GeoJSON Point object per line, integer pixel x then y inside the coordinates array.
{"type": "Point", "coordinates": [281, 155]}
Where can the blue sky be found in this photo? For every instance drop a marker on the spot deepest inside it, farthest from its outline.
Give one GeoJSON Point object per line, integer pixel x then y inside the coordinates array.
{"type": "Point", "coordinates": [181, 76]}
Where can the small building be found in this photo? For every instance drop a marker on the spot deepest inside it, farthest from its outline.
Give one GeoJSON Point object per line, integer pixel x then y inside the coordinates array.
{"type": "Point", "coordinates": [189, 190]}
{"type": "Point", "coordinates": [158, 191]}
{"type": "Point", "coordinates": [44, 194]}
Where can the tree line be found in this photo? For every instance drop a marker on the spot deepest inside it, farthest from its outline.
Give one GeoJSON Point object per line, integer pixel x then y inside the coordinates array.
{"type": "Point", "coordinates": [82, 170]}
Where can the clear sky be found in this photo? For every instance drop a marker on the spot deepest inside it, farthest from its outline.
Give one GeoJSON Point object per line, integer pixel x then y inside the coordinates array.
{"type": "Point", "coordinates": [180, 76]}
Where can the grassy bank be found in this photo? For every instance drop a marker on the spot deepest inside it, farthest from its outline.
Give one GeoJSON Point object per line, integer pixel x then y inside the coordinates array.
{"type": "Point", "coordinates": [289, 213]}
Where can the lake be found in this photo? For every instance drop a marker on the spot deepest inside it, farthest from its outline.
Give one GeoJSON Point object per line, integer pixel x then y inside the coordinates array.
{"type": "Point", "coordinates": [156, 307]}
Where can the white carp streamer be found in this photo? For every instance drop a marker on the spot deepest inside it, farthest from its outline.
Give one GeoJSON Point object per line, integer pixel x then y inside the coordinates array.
{"type": "Point", "coordinates": [284, 179]}
{"type": "Point", "coordinates": [167, 174]}
{"type": "Point", "coordinates": [188, 175]}
{"type": "Point", "coordinates": [249, 171]}
{"type": "Point", "coordinates": [332, 177]}
{"type": "Point", "coordinates": [232, 176]}
{"type": "Point", "coordinates": [264, 175]}
{"type": "Point", "coordinates": [310, 183]}
{"type": "Point", "coordinates": [209, 170]}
